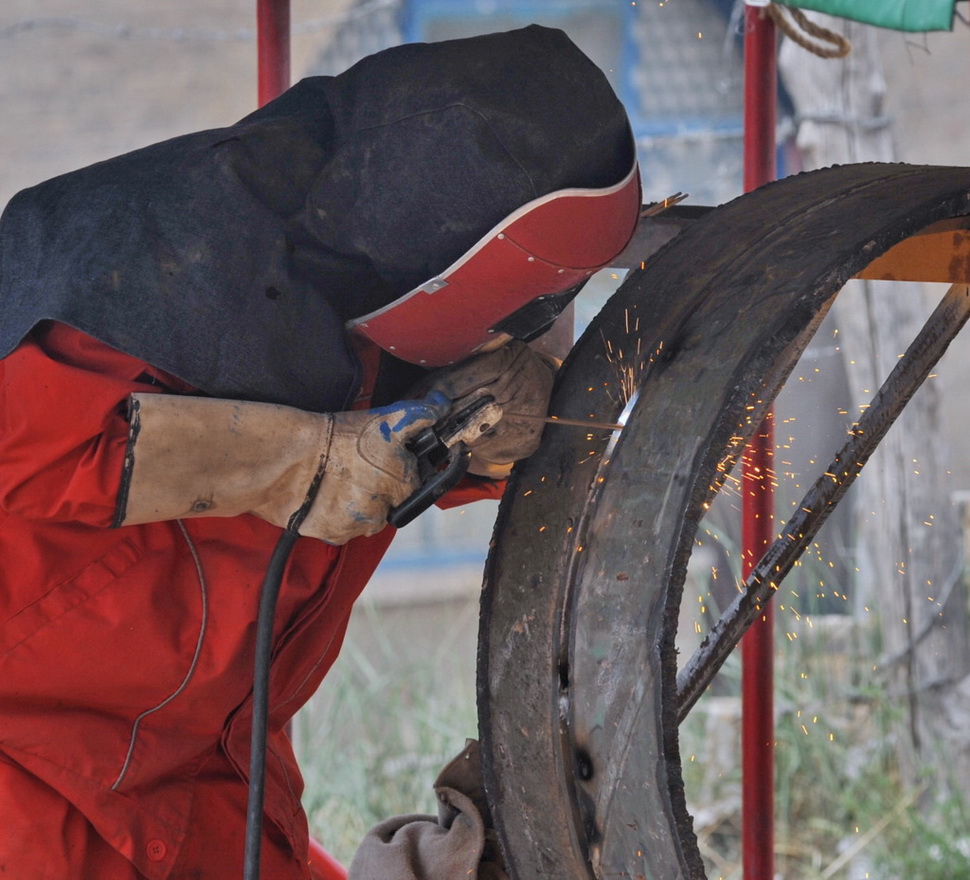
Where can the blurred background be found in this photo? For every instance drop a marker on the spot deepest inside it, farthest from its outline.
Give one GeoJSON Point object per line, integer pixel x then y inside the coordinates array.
{"type": "Point", "coordinates": [82, 82]}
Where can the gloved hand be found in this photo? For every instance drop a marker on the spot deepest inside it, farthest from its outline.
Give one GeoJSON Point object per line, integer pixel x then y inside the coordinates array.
{"type": "Point", "coordinates": [458, 844]}
{"type": "Point", "coordinates": [198, 456]}
{"type": "Point", "coordinates": [520, 379]}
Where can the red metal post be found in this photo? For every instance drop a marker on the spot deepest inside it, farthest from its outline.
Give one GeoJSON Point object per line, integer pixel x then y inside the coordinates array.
{"type": "Point", "coordinates": [757, 646]}
{"type": "Point", "coordinates": [324, 866]}
{"type": "Point", "coordinates": [273, 47]}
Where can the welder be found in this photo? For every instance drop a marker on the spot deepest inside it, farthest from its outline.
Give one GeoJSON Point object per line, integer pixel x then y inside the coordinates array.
{"type": "Point", "coordinates": [214, 338]}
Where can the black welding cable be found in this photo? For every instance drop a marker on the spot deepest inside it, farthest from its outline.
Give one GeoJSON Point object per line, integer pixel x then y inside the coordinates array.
{"type": "Point", "coordinates": [272, 581]}
{"type": "Point", "coordinates": [264, 648]}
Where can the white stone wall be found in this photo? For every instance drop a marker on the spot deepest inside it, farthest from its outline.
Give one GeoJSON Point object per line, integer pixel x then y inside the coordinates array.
{"type": "Point", "coordinates": [927, 97]}
{"type": "Point", "coordinates": [80, 82]}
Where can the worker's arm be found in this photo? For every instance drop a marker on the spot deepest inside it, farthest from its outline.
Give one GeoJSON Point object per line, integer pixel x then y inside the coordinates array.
{"type": "Point", "coordinates": [70, 453]}
{"type": "Point", "coordinates": [332, 476]}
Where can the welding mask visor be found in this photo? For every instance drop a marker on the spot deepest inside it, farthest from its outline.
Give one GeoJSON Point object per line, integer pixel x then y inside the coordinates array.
{"type": "Point", "coordinates": [514, 281]}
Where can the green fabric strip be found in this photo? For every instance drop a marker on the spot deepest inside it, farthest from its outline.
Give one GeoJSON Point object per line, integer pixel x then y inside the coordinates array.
{"type": "Point", "coordinates": [900, 15]}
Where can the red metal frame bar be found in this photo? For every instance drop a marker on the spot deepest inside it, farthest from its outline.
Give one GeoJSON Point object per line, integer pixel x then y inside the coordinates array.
{"type": "Point", "coordinates": [324, 866]}
{"type": "Point", "coordinates": [757, 646]}
{"type": "Point", "coordinates": [273, 48]}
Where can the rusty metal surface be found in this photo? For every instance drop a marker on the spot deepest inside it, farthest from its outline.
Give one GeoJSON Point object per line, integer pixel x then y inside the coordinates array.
{"type": "Point", "coordinates": [939, 253]}
{"type": "Point", "coordinates": [577, 667]}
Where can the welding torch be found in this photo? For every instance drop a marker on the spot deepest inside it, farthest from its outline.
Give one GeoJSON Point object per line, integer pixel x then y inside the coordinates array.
{"type": "Point", "coordinates": [443, 453]}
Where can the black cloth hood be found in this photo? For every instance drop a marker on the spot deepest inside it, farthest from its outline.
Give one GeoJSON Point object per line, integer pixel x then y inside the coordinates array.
{"type": "Point", "coordinates": [232, 257]}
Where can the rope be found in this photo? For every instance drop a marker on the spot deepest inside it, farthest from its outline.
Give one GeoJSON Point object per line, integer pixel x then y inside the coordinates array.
{"type": "Point", "coordinates": [802, 30]}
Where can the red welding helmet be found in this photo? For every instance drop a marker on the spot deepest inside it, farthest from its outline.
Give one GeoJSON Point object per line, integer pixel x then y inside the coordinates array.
{"type": "Point", "coordinates": [514, 281]}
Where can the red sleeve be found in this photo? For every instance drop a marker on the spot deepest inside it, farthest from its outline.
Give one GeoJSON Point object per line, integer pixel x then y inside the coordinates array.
{"type": "Point", "coordinates": [470, 489]}
{"type": "Point", "coordinates": [63, 427]}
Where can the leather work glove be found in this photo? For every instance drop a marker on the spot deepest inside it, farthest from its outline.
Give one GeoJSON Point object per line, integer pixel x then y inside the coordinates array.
{"type": "Point", "coordinates": [199, 456]}
{"type": "Point", "coordinates": [458, 844]}
{"type": "Point", "coordinates": [520, 379]}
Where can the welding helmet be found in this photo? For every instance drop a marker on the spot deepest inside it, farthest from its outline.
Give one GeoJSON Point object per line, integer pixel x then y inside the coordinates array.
{"type": "Point", "coordinates": [514, 282]}
{"type": "Point", "coordinates": [483, 182]}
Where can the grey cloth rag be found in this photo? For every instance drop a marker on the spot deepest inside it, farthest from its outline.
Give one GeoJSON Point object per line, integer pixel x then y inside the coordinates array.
{"type": "Point", "coordinates": [456, 845]}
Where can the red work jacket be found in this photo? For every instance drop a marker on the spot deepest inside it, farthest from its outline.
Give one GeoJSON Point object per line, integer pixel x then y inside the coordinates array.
{"type": "Point", "coordinates": [126, 654]}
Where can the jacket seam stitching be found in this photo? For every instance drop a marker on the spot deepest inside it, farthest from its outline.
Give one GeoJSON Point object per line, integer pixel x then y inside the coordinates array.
{"type": "Point", "coordinates": [136, 726]}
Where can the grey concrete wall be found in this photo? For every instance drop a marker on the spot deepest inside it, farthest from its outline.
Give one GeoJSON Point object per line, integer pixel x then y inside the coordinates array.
{"type": "Point", "coordinates": [929, 101]}
{"type": "Point", "coordinates": [80, 82]}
